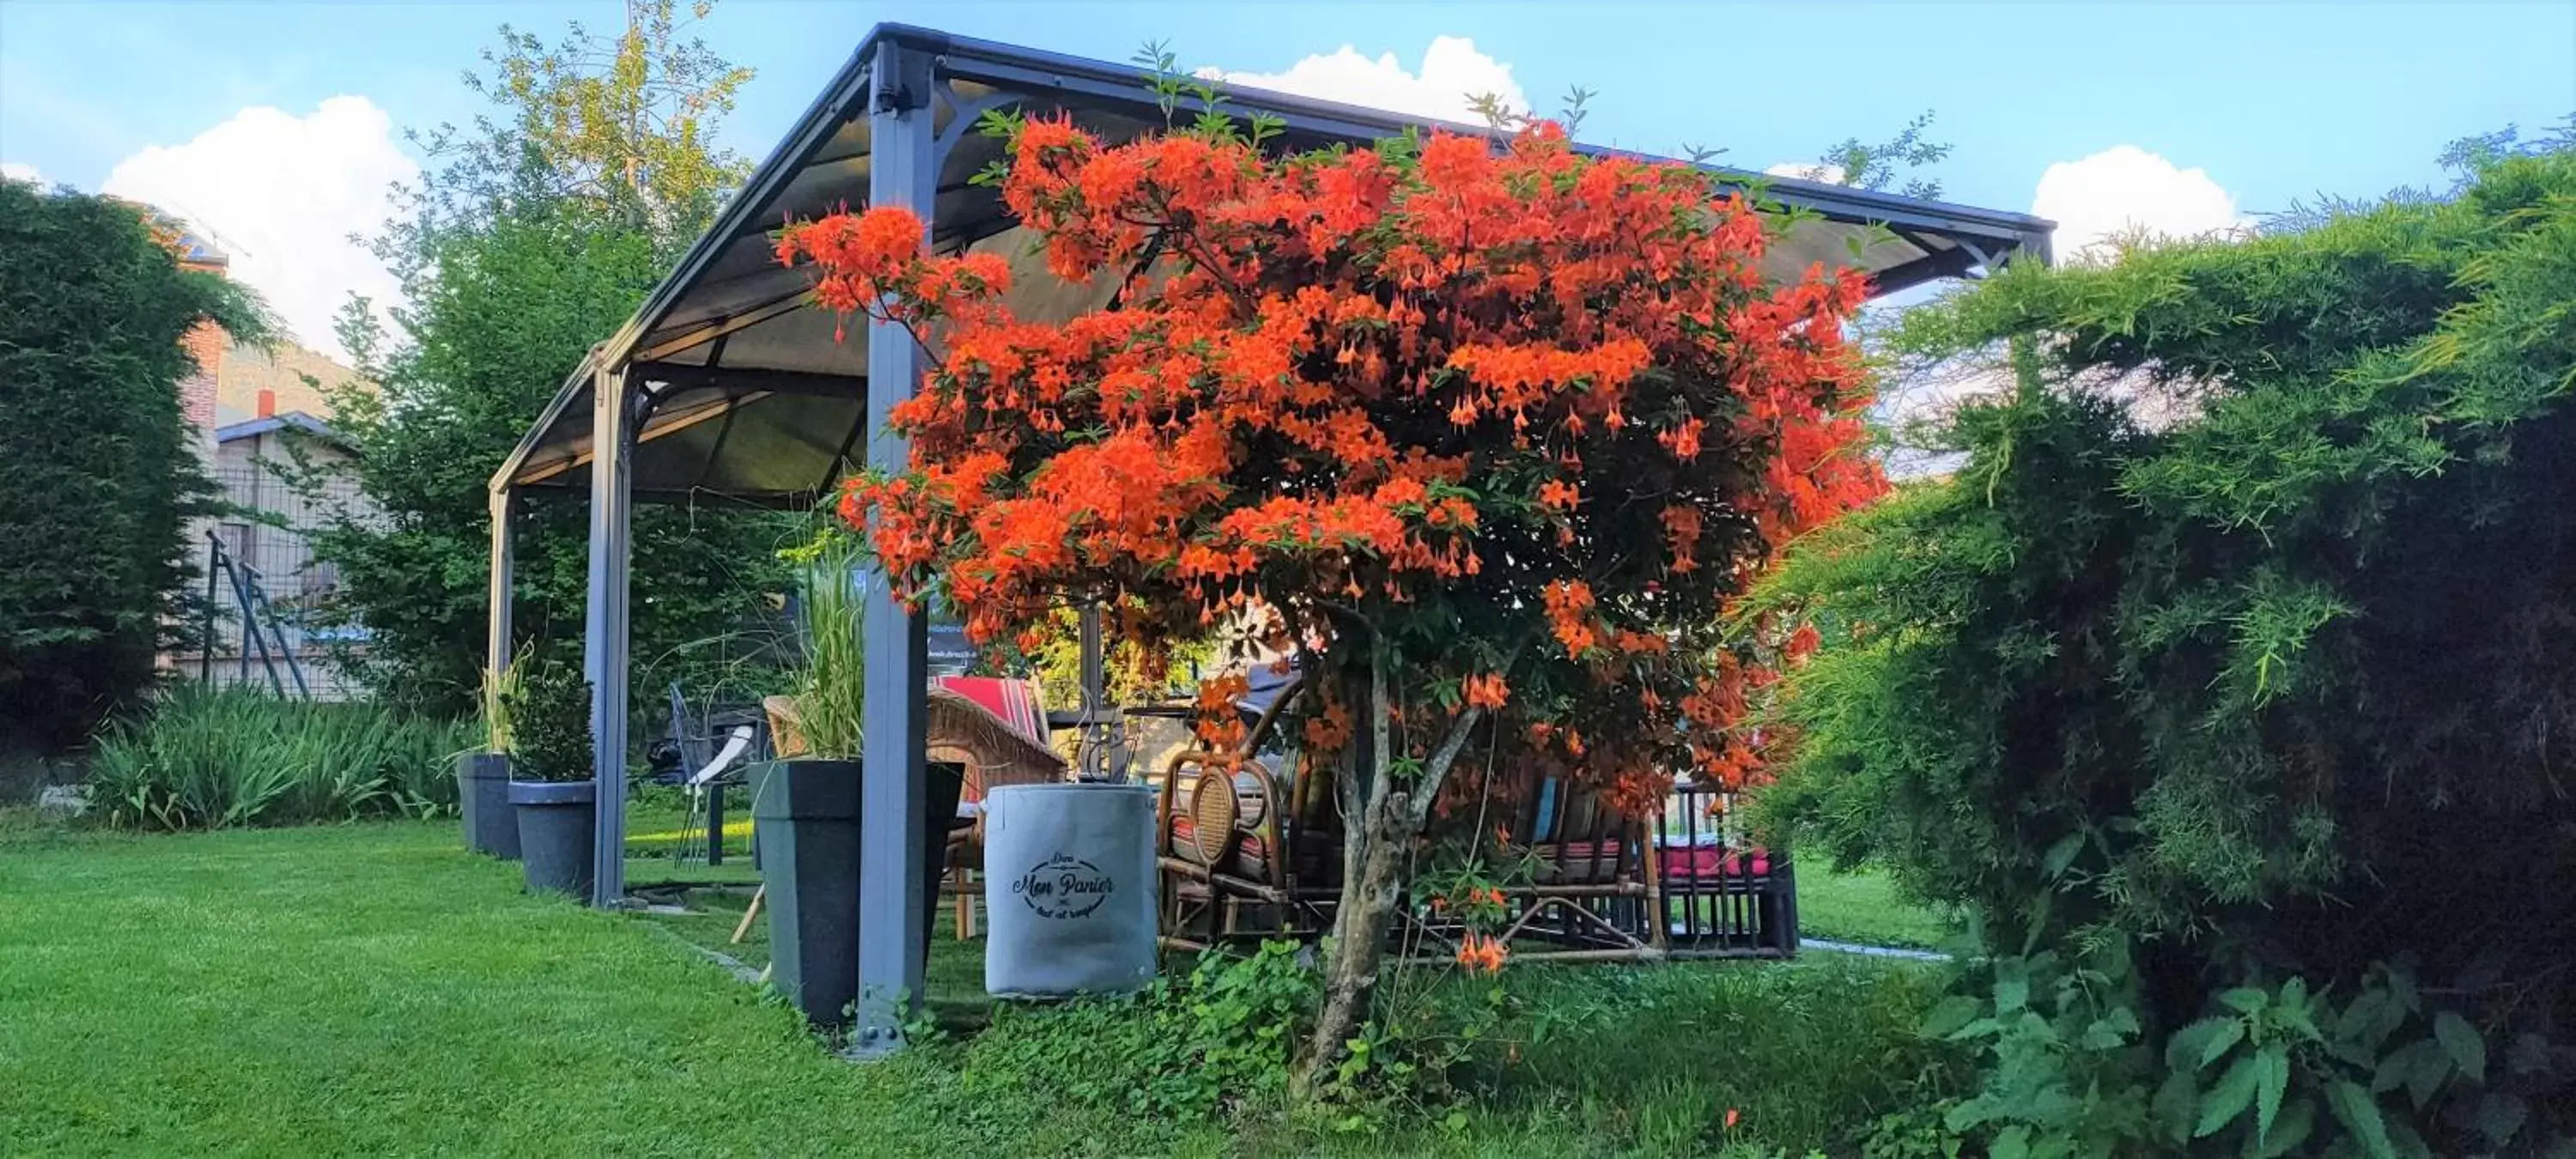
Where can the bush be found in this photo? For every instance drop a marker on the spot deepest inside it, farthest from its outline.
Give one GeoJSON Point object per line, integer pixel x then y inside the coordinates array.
{"type": "Point", "coordinates": [218, 759]}
{"type": "Point", "coordinates": [1646, 1059]}
{"type": "Point", "coordinates": [549, 714]}
{"type": "Point", "coordinates": [100, 481]}
{"type": "Point", "coordinates": [1191, 1048]}
{"type": "Point", "coordinates": [2226, 681]}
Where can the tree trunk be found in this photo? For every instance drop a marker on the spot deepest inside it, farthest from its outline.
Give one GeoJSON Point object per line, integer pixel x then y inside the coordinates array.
{"type": "Point", "coordinates": [1380, 819]}
{"type": "Point", "coordinates": [1368, 900]}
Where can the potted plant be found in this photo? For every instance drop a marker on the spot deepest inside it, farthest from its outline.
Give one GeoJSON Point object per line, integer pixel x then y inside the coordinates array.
{"type": "Point", "coordinates": [551, 789]}
{"type": "Point", "coordinates": [807, 803]}
{"type": "Point", "coordinates": [483, 777]}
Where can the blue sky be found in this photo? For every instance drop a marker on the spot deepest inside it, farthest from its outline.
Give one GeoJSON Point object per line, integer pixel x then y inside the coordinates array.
{"type": "Point", "coordinates": [2269, 103]}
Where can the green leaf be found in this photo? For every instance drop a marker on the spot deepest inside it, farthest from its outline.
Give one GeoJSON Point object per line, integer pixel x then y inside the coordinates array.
{"type": "Point", "coordinates": [2500, 1116]}
{"type": "Point", "coordinates": [2401, 984]}
{"type": "Point", "coordinates": [2011, 994]}
{"type": "Point", "coordinates": [2298, 1121]}
{"type": "Point", "coordinates": [2227, 1099]}
{"type": "Point", "coordinates": [2296, 1010]}
{"type": "Point", "coordinates": [2174, 1100]}
{"type": "Point", "coordinates": [2462, 1042]}
{"type": "Point", "coordinates": [1949, 1014]}
{"type": "Point", "coordinates": [2271, 1078]}
{"type": "Point", "coordinates": [2245, 999]}
{"type": "Point", "coordinates": [2392, 1070]}
{"type": "Point", "coordinates": [2426, 1070]}
{"type": "Point", "coordinates": [2359, 1020]}
{"type": "Point", "coordinates": [2199, 1044]}
{"type": "Point", "coordinates": [2352, 1107]}
{"type": "Point", "coordinates": [2108, 1032]}
{"type": "Point", "coordinates": [2013, 1143]}
{"type": "Point", "coordinates": [2061, 855]}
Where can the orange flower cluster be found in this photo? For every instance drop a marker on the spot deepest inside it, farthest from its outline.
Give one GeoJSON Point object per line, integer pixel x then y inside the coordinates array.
{"type": "Point", "coordinates": [1502, 408]}
{"type": "Point", "coordinates": [1482, 952]}
{"type": "Point", "coordinates": [1569, 615]}
{"type": "Point", "coordinates": [1220, 725]}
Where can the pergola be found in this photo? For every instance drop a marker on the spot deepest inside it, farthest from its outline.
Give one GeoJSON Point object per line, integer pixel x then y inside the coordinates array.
{"type": "Point", "coordinates": [730, 384]}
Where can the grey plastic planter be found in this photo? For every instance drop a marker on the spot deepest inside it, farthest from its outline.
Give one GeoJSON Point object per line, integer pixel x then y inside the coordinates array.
{"type": "Point", "coordinates": [947, 782]}
{"type": "Point", "coordinates": [807, 815]}
{"type": "Point", "coordinates": [557, 832]}
{"type": "Point", "coordinates": [483, 796]}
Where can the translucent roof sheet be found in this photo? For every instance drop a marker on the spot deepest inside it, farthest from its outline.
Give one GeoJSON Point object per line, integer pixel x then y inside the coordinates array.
{"type": "Point", "coordinates": [753, 399]}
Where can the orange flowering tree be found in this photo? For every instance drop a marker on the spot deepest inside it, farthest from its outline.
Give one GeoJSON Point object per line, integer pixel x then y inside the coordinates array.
{"type": "Point", "coordinates": [1505, 425]}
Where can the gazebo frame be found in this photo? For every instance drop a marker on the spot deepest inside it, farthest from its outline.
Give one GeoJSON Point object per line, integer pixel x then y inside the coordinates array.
{"type": "Point", "coordinates": [724, 384]}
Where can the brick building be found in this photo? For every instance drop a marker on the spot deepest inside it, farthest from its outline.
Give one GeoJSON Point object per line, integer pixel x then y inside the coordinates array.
{"type": "Point", "coordinates": [247, 406]}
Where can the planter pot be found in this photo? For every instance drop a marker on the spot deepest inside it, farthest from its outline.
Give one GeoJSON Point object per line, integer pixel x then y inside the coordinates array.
{"type": "Point", "coordinates": [483, 796]}
{"type": "Point", "coordinates": [944, 785]}
{"type": "Point", "coordinates": [1070, 881]}
{"type": "Point", "coordinates": [558, 832]}
{"type": "Point", "coordinates": [806, 813]}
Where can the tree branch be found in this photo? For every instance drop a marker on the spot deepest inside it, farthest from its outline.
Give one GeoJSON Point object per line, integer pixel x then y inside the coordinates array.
{"type": "Point", "coordinates": [1436, 770]}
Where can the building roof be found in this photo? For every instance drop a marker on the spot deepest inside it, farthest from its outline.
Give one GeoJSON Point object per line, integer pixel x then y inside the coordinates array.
{"type": "Point", "coordinates": [280, 368]}
{"type": "Point", "coordinates": [752, 397]}
{"type": "Point", "coordinates": [295, 420]}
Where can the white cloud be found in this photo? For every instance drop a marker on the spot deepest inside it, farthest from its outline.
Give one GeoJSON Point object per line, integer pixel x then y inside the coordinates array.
{"type": "Point", "coordinates": [2125, 190]}
{"type": "Point", "coordinates": [1807, 171]}
{"type": "Point", "coordinates": [20, 171]}
{"type": "Point", "coordinates": [281, 194]}
{"type": "Point", "coordinates": [1452, 72]}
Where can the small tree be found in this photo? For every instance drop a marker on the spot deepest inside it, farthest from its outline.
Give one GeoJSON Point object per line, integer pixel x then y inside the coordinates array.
{"type": "Point", "coordinates": [539, 231]}
{"type": "Point", "coordinates": [1503, 429]}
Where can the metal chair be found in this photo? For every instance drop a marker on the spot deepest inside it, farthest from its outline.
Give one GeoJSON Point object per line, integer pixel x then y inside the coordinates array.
{"type": "Point", "coordinates": [715, 747]}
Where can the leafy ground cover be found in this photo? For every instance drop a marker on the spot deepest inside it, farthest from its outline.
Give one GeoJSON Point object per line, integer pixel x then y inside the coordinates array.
{"type": "Point", "coordinates": [367, 988]}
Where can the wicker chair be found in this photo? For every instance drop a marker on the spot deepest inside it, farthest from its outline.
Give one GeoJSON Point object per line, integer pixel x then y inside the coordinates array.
{"type": "Point", "coordinates": [1246, 849]}
{"type": "Point", "coordinates": [996, 753]}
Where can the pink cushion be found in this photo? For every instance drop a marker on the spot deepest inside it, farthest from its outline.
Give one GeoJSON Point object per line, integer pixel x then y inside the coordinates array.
{"type": "Point", "coordinates": [1015, 701]}
{"type": "Point", "coordinates": [1693, 862]}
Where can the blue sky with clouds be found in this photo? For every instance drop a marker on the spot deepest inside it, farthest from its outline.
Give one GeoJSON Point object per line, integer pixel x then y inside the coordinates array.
{"type": "Point", "coordinates": [2184, 117]}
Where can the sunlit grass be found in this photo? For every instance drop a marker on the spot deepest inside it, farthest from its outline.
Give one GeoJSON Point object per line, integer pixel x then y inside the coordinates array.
{"type": "Point", "coordinates": [372, 989]}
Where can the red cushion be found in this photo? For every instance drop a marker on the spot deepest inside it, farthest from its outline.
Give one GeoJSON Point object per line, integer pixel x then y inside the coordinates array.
{"type": "Point", "coordinates": [1693, 862]}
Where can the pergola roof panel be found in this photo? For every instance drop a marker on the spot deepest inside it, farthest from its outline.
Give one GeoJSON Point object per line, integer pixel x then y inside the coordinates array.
{"type": "Point", "coordinates": [771, 409]}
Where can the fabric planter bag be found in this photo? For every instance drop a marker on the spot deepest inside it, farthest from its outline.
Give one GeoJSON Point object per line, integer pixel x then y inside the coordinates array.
{"type": "Point", "coordinates": [1069, 885]}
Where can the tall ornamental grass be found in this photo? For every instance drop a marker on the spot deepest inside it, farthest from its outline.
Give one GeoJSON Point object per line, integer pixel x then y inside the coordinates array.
{"type": "Point", "coordinates": [215, 759]}
{"type": "Point", "coordinates": [832, 698]}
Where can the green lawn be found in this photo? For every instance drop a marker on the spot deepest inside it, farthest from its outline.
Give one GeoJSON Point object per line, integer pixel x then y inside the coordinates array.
{"type": "Point", "coordinates": [371, 989]}
{"type": "Point", "coordinates": [1863, 907]}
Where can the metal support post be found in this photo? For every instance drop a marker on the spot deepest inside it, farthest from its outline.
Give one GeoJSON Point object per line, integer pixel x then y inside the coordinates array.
{"type": "Point", "coordinates": [903, 171]}
{"type": "Point", "coordinates": [496, 641]}
{"type": "Point", "coordinates": [604, 625]}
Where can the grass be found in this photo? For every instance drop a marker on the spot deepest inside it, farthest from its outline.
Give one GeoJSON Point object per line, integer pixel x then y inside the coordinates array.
{"type": "Point", "coordinates": [1863, 907]}
{"type": "Point", "coordinates": [368, 988]}
{"type": "Point", "coordinates": [953, 979]}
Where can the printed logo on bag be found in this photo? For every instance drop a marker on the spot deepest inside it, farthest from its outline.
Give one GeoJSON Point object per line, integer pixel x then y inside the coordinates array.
{"type": "Point", "coordinates": [1064, 887]}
